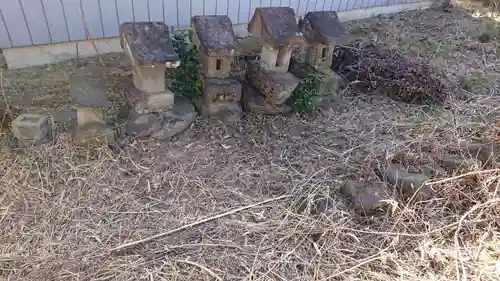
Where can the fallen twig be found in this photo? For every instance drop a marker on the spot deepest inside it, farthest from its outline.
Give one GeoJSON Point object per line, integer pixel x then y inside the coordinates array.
{"type": "Point", "coordinates": [202, 267]}
{"type": "Point", "coordinates": [89, 37]}
{"type": "Point", "coordinates": [463, 176]}
{"type": "Point", "coordinates": [7, 105]}
{"type": "Point", "coordinates": [184, 227]}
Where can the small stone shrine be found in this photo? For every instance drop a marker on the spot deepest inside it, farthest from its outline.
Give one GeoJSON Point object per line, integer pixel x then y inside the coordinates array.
{"type": "Point", "coordinates": [214, 38]}
{"type": "Point", "coordinates": [89, 94]}
{"type": "Point", "coordinates": [322, 30]}
{"type": "Point", "coordinates": [278, 29]}
{"type": "Point", "coordinates": [156, 113]}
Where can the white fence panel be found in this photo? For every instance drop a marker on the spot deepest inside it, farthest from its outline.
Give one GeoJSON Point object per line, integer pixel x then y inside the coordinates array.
{"type": "Point", "coordinates": [35, 22]}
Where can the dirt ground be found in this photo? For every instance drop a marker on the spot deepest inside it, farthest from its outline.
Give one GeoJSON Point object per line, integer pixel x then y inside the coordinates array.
{"type": "Point", "coordinates": [63, 209]}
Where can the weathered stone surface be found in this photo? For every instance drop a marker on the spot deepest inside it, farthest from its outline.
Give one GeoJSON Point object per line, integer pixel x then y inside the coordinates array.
{"type": "Point", "coordinates": [148, 43]}
{"type": "Point", "coordinates": [163, 125]}
{"type": "Point", "coordinates": [32, 128]}
{"type": "Point", "coordinates": [277, 26]}
{"type": "Point", "coordinates": [320, 56]}
{"type": "Point", "coordinates": [409, 184]}
{"type": "Point", "coordinates": [85, 115]}
{"type": "Point", "coordinates": [253, 101]}
{"type": "Point", "coordinates": [215, 67]}
{"type": "Point", "coordinates": [277, 88]}
{"type": "Point", "coordinates": [322, 27]}
{"type": "Point", "coordinates": [225, 111]}
{"type": "Point", "coordinates": [176, 120]}
{"type": "Point", "coordinates": [331, 83]}
{"type": "Point", "coordinates": [64, 119]}
{"type": "Point", "coordinates": [367, 197]}
{"type": "Point", "coordinates": [248, 46]}
{"type": "Point", "coordinates": [149, 79]}
{"type": "Point", "coordinates": [275, 60]}
{"type": "Point", "coordinates": [459, 164]}
{"type": "Point", "coordinates": [88, 88]}
{"type": "Point", "coordinates": [155, 102]}
{"type": "Point", "coordinates": [214, 35]}
{"type": "Point", "coordinates": [93, 135]}
{"type": "Point", "coordinates": [220, 90]}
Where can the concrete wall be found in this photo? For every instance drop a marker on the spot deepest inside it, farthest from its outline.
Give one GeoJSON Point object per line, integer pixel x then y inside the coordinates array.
{"type": "Point", "coordinates": [36, 22]}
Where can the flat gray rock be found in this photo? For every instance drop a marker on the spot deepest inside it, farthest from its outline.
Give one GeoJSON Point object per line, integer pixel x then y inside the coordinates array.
{"type": "Point", "coordinates": [88, 88]}
{"type": "Point", "coordinates": [164, 125]}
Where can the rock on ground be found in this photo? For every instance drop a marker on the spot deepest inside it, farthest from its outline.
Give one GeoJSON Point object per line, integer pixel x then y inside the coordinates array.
{"type": "Point", "coordinates": [409, 184]}
{"type": "Point", "coordinates": [253, 101]}
{"type": "Point", "coordinates": [367, 197]}
{"type": "Point", "coordinates": [32, 129]}
{"type": "Point", "coordinates": [459, 164]}
{"type": "Point", "coordinates": [94, 134]}
{"type": "Point", "coordinates": [164, 125]}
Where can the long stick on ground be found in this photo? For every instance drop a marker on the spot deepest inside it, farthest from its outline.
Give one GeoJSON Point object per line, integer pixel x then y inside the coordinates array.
{"type": "Point", "coordinates": [184, 227]}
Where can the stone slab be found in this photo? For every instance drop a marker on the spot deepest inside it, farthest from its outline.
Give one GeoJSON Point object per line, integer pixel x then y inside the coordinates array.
{"type": "Point", "coordinates": [367, 197]}
{"type": "Point", "coordinates": [253, 101]}
{"type": "Point", "coordinates": [88, 88]}
{"type": "Point", "coordinates": [148, 43]}
{"type": "Point", "coordinates": [163, 125]}
{"type": "Point", "coordinates": [277, 88]}
{"type": "Point", "coordinates": [32, 128]}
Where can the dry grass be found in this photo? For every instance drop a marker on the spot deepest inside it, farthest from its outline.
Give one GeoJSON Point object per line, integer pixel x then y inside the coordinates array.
{"type": "Point", "coordinates": [63, 209]}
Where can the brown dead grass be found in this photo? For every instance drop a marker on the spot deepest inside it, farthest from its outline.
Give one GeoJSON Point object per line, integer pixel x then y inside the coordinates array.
{"type": "Point", "coordinates": [62, 209]}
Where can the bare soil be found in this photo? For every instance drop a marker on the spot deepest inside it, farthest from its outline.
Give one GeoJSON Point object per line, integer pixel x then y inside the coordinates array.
{"type": "Point", "coordinates": [62, 209]}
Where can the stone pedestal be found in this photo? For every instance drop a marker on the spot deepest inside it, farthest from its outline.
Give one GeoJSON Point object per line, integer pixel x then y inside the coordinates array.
{"type": "Point", "coordinates": [253, 101]}
{"type": "Point", "coordinates": [276, 88]}
{"type": "Point", "coordinates": [221, 98]}
{"type": "Point", "coordinates": [145, 103]}
{"type": "Point", "coordinates": [89, 93]}
{"type": "Point", "coordinates": [164, 124]}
